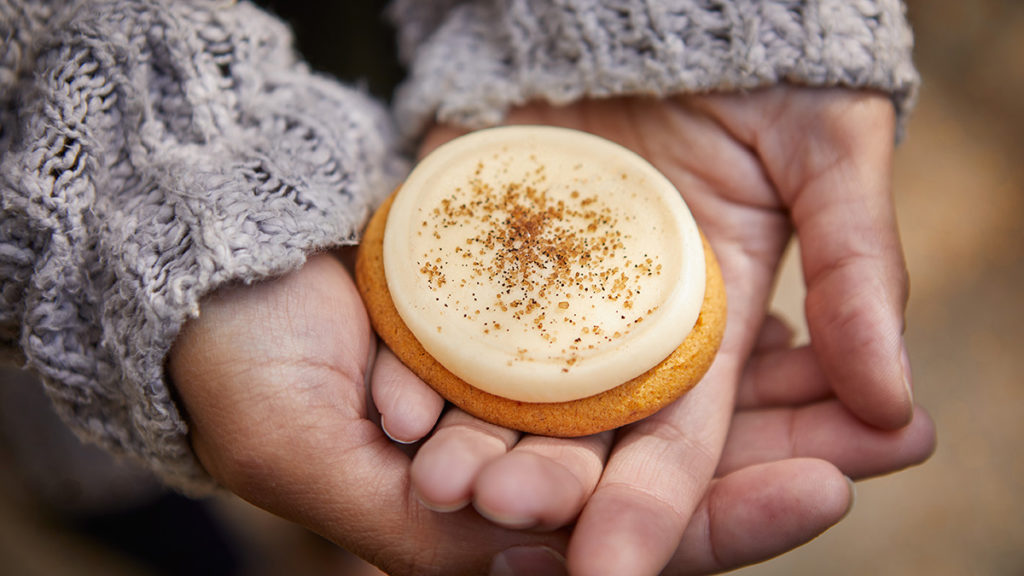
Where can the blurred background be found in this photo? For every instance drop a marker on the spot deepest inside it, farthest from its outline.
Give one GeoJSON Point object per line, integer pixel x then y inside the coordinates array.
{"type": "Point", "coordinates": [959, 178]}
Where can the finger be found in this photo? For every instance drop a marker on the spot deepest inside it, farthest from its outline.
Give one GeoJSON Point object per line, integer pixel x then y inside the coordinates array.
{"type": "Point", "coordinates": [408, 407]}
{"type": "Point", "coordinates": [775, 334]}
{"type": "Point", "coordinates": [543, 482]}
{"type": "Point", "coordinates": [759, 512]}
{"type": "Point", "coordinates": [447, 465]}
{"type": "Point", "coordinates": [828, 431]}
{"type": "Point", "coordinates": [656, 475]}
{"type": "Point", "coordinates": [852, 257]}
{"type": "Point", "coordinates": [782, 377]}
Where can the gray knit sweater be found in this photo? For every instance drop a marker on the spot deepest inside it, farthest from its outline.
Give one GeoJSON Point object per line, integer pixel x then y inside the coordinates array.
{"type": "Point", "coordinates": [151, 151]}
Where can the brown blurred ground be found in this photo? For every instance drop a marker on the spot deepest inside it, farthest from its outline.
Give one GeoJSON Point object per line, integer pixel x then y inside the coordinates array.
{"type": "Point", "coordinates": [959, 178]}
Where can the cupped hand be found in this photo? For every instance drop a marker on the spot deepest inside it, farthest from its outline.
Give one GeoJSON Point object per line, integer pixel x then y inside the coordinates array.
{"type": "Point", "coordinates": [753, 168]}
{"type": "Point", "coordinates": [272, 378]}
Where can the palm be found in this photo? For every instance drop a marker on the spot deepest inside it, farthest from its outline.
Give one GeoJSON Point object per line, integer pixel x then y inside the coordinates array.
{"type": "Point", "coordinates": [272, 378]}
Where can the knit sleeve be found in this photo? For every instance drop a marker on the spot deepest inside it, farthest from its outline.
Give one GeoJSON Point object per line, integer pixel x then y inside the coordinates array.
{"type": "Point", "coordinates": [151, 152]}
{"type": "Point", "coordinates": [481, 57]}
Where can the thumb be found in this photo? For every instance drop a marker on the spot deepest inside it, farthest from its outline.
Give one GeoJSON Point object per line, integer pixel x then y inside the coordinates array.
{"type": "Point", "coordinates": [837, 183]}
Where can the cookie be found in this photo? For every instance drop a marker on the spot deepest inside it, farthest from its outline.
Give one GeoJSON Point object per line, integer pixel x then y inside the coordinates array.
{"type": "Point", "coordinates": [545, 280]}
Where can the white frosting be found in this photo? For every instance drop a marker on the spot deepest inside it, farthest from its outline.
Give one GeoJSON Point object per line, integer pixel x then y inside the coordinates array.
{"type": "Point", "coordinates": [543, 264]}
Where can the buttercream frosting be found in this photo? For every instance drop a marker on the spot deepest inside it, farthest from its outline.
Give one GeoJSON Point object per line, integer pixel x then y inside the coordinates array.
{"type": "Point", "coordinates": [543, 264]}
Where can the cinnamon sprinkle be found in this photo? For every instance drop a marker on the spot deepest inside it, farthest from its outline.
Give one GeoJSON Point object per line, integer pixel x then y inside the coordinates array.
{"type": "Point", "coordinates": [533, 245]}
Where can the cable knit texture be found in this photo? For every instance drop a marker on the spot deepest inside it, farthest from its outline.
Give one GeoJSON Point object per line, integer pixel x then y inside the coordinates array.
{"type": "Point", "coordinates": [485, 56]}
{"type": "Point", "coordinates": [152, 151]}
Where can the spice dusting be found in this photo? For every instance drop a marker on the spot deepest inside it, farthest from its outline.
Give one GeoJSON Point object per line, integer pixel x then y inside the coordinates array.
{"type": "Point", "coordinates": [526, 244]}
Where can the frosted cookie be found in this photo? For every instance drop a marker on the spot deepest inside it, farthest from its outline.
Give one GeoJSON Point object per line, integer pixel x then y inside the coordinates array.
{"type": "Point", "coordinates": [543, 279]}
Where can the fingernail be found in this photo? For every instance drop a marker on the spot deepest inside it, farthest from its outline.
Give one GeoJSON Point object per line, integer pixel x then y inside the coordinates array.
{"type": "Point", "coordinates": [907, 375]}
{"type": "Point", "coordinates": [442, 508]}
{"type": "Point", "coordinates": [392, 438]}
{"type": "Point", "coordinates": [853, 497]}
{"type": "Point", "coordinates": [505, 520]}
{"type": "Point", "coordinates": [528, 560]}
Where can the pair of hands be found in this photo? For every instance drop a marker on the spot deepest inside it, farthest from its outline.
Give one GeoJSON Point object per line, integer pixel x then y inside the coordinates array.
{"type": "Point", "coordinates": [282, 381]}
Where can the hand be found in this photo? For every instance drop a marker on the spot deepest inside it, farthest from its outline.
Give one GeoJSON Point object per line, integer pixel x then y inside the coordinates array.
{"type": "Point", "coordinates": [272, 380]}
{"type": "Point", "coordinates": [753, 168]}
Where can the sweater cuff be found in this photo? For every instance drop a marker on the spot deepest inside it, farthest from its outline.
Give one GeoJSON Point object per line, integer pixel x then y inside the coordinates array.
{"type": "Point", "coordinates": [162, 150]}
{"type": "Point", "coordinates": [486, 56]}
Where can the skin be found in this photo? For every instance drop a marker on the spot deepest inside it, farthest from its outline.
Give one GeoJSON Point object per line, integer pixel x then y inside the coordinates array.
{"type": "Point", "coordinates": [751, 463]}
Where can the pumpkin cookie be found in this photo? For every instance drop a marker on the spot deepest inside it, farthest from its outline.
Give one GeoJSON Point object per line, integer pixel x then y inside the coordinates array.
{"type": "Point", "coordinates": [545, 280]}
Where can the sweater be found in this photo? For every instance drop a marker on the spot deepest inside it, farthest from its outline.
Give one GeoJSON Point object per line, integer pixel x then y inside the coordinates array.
{"type": "Point", "coordinates": [471, 60]}
{"type": "Point", "coordinates": [152, 151]}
